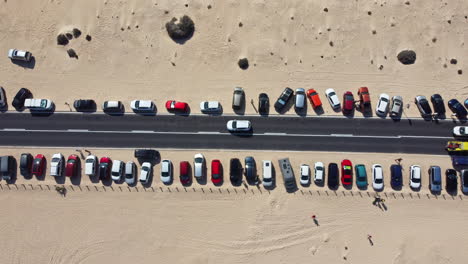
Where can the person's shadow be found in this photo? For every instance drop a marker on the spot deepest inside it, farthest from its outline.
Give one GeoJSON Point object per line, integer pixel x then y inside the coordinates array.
{"type": "Point", "coordinates": [316, 222]}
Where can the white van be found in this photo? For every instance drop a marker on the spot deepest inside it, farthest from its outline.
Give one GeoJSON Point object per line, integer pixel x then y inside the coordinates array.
{"type": "Point", "coordinates": [90, 165]}
{"type": "Point", "coordinates": [267, 173]}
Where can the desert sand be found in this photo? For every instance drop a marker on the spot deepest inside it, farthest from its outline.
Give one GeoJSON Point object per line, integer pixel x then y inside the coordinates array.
{"type": "Point", "coordinates": [311, 44]}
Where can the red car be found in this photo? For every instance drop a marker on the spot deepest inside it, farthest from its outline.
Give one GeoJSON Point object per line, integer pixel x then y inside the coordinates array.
{"type": "Point", "coordinates": [346, 172]}
{"type": "Point", "coordinates": [314, 98]}
{"type": "Point", "coordinates": [72, 166]}
{"type": "Point", "coordinates": [105, 165]}
{"type": "Point", "coordinates": [216, 172]}
{"type": "Point", "coordinates": [348, 103]}
{"type": "Point", "coordinates": [172, 105]}
{"type": "Point", "coordinates": [38, 165]}
{"type": "Point", "coordinates": [185, 172]}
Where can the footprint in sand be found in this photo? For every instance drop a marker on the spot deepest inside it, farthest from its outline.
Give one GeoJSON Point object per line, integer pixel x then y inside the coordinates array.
{"type": "Point", "coordinates": [325, 238]}
{"type": "Point", "coordinates": [313, 250]}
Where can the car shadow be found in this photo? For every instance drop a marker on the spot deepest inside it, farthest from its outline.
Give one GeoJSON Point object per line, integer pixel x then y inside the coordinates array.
{"type": "Point", "coordinates": [319, 110]}
{"type": "Point", "coordinates": [43, 113]}
{"type": "Point", "coordinates": [116, 113]}
{"type": "Point", "coordinates": [243, 134]}
{"type": "Point", "coordinates": [26, 64]}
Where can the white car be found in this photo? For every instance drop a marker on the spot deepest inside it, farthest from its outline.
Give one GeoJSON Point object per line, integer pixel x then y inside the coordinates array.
{"type": "Point", "coordinates": [166, 171]}
{"type": "Point", "coordinates": [382, 105]}
{"type": "Point", "coordinates": [38, 104]}
{"type": "Point", "coordinates": [267, 173]}
{"type": "Point", "coordinates": [198, 165]}
{"type": "Point", "coordinates": [130, 172]}
{"type": "Point", "coordinates": [15, 54]}
{"type": "Point", "coordinates": [142, 105]}
{"type": "Point", "coordinates": [319, 172]}
{"type": "Point", "coordinates": [56, 165]}
{"type": "Point", "coordinates": [145, 172]}
{"type": "Point", "coordinates": [460, 131]}
{"type": "Point", "coordinates": [333, 98]}
{"type": "Point", "coordinates": [117, 170]}
{"type": "Point", "coordinates": [377, 177]}
{"type": "Point", "coordinates": [415, 177]}
{"type": "Point", "coordinates": [305, 174]}
{"type": "Point", "coordinates": [90, 165]}
{"type": "Point", "coordinates": [210, 107]}
{"type": "Point", "coordinates": [238, 125]}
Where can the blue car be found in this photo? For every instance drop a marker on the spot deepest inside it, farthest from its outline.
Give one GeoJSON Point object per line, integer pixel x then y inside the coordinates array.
{"type": "Point", "coordinates": [396, 176]}
{"type": "Point", "coordinates": [361, 176]}
{"type": "Point", "coordinates": [457, 108]}
{"type": "Point", "coordinates": [435, 179]}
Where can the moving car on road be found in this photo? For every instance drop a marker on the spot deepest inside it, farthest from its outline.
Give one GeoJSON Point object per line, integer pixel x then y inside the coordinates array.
{"type": "Point", "coordinates": [348, 103]}
{"type": "Point", "coordinates": [396, 176]}
{"type": "Point", "coordinates": [216, 172]}
{"type": "Point", "coordinates": [319, 173]}
{"type": "Point", "coordinates": [145, 173]}
{"type": "Point", "coordinates": [72, 166]}
{"type": "Point", "coordinates": [235, 171]}
{"type": "Point", "coordinates": [397, 106]}
{"type": "Point", "coordinates": [377, 177]}
{"type": "Point", "coordinates": [210, 107]}
{"type": "Point", "coordinates": [438, 104]}
{"type": "Point", "coordinates": [20, 97]}
{"type": "Point", "coordinates": [283, 99]}
{"type": "Point", "coordinates": [56, 165]}
{"type": "Point", "coordinates": [314, 98]}
{"type": "Point", "coordinates": [15, 54]}
{"type": "Point", "coordinates": [457, 108]}
{"type": "Point", "coordinates": [238, 125]}
{"type": "Point", "coordinates": [142, 106]}
{"type": "Point", "coordinates": [90, 165]}
{"type": "Point", "coordinates": [263, 104]}
{"type": "Point", "coordinates": [299, 99]}
{"type": "Point", "coordinates": [38, 165]}
{"type": "Point", "coordinates": [305, 174]}
{"type": "Point", "coordinates": [361, 176]}
{"type": "Point", "coordinates": [346, 173]}
{"type": "Point", "coordinates": [172, 105]}
{"type": "Point", "coordinates": [382, 105]}
{"type": "Point", "coordinates": [184, 173]}
{"type": "Point", "coordinates": [198, 166]}
{"type": "Point", "coordinates": [423, 106]}
{"type": "Point", "coordinates": [451, 180]}
{"type": "Point", "coordinates": [333, 98]}
{"type": "Point", "coordinates": [435, 179]}
{"type": "Point", "coordinates": [166, 171]}
{"type": "Point", "coordinates": [460, 131]}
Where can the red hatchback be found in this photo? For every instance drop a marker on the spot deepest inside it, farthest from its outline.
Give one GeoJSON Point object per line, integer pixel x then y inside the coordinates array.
{"type": "Point", "coordinates": [38, 165]}
{"type": "Point", "coordinates": [184, 172]}
{"type": "Point", "coordinates": [72, 166]}
{"type": "Point", "coordinates": [348, 103]}
{"type": "Point", "coordinates": [172, 105]}
{"type": "Point", "coordinates": [216, 172]}
{"type": "Point", "coordinates": [346, 172]}
{"type": "Point", "coordinates": [314, 98]}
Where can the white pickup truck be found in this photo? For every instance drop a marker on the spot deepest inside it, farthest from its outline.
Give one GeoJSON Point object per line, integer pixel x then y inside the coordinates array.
{"type": "Point", "coordinates": [15, 54]}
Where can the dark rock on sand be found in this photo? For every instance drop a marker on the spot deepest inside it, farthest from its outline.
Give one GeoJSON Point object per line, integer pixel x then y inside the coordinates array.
{"type": "Point", "coordinates": [62, 39]}
{"type": "Point", "coordinates": [76, 33]}
{"type": "Point", "coordinates": [72, 53]}
{"type": "Point", "coordinates": [181, 29]}
{"type": "Point", "coordinates": [407, 57]}
{"type": "Point", "coordinates": [243, 63]}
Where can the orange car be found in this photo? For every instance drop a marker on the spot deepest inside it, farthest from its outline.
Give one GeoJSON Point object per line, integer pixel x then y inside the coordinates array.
{"type": "Point", "coordinates": [314, 98]}
{"type": "Point", "coordinates": [364, 98]}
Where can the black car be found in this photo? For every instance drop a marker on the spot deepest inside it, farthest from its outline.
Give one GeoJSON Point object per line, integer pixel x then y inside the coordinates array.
{"type": "Point", "coordinates": [457, 108]}
{"type": "Point", "coordinates": [3, 101]}
{"type": "Point", "coordinates": [333, 175]}
{"type": "Point", "coordinates": [20, 97]}
{"type": "Point", "coordinates": [423, 106]}
{"type": "Point", "coordinates": [85, 105]}
{"type": "Point", "coordinates": [438, 104]}
{"type": "Point", "coordinates": [250, 170]}
{"type": "Point", "coordinates": [396, 176]}
{"type": "Point", "coordinates": [451, 181]}
{"type": "Point", "coordinates": [25, 164]}
{"type": "Point", "coordinates": [235, 171]}
{"type": "Point", "coordinates": [284, 98]}
{"type": "Point", "coordinates": [263, 104]}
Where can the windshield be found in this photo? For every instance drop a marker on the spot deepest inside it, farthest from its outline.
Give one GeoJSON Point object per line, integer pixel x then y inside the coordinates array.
{"type": "Point", "coordinates": [384, 99]}
{"type": "Point", "coordinates": [266, 180]}
{"type": "Point", "coordinates": [71, 161]}
{"type": "Point", "coordinates": [145, 168]}
{"type": "Point", "coordinates": [347, 180]}
{"type": "Point", "coordinates": [198, 160]}
{"type": "Point", "coordinates": [55, 159]}
{"type": "Point", "coordinates": [378, 180]}
{"type": "Point", "coordinates": [305, 177]}
{"type": "Point", "coordinates": [165, 174]}
{"type": "Point", "coordinates": [115, 173]}
{"type": "Point", "coordinates": [332, 94]}
{"type": "Point", "coordinates": [216, 176]}
{"type": "Point", "coordinates": [416, 180]}
{"type": "Point", "coordinates": [89, 161]}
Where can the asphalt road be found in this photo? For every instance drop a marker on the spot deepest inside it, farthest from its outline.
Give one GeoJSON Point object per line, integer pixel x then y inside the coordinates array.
{"type": "Point", "coordinates": [209, 132]}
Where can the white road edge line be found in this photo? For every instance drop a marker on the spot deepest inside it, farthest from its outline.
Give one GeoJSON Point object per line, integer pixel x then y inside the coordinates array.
{"type": "Point", "coordinates": [14, 129]}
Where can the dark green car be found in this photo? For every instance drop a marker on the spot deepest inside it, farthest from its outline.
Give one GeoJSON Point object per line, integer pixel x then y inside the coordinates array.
{"type": "Point", "coordinates": [361, 175]}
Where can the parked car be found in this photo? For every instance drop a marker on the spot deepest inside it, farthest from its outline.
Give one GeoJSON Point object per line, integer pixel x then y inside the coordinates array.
{"type": "Point", "coordinates": [464, 181]}
{"type": "Point", "coordinates": [56, 165]}
{"type": "Point", "coordinates": [305, 174]}
{"type": "Point", "coordinates": [22, 55]}
{"type": "Point", "coordinates": [457, 108]}
{"type": "Point", "coordinates": [145, 173]}
{"type": "Point", "coordinates": [216, 172]}
{"type": "Point", "coordinates": [166, 171]}
{"type": "Point", "coordinates": [71, 169]}
{"type": "Point", "coordinates": [235, 171]}
{"type": "Point", "coordinates": [112, 107]}
{"type": "Point", "coordinates": [263, 104]}
{"type": "Point", "coordinates": [267, 173]}
{"type": "Point", "coordinates": [3, 101]}
{"type": "Point", "coordinates": [130, 172]}
{"type": "Point", "coordinates": [314, 98]}
{"type": "Point", "coordinates": [348, 103]}
{"type": "Point", "coordinates": [346, 173]}
{"type": "Point", "coordinates": [238, 99]}
{"type": "Point", "coordinates": [423, 106]}
{"type": "Point", "coordinates": [333, 98]}
{"type": "Point", "coordinates": [117, 170]}
{"type": "Point", "coordinates": [435, 179]}
{"type": "Point", "coordinates": [238, 125]}
{"type": "Point", "coordinates": [20, 97]}
{"type": "Point", "coordinates": [415, 177]}
{"type": "Point", "coordinates": [85, 105]}
{"type": "Point", "coordinates": [364, 98]}
{"type": "Point", "coordinates": [333, 175]}
{"type": "Point", "coordinates": [377, 177]}
{"type": "Point", "coordinates": [184, 173]}
{"type": "Point", "coordinates": [361, 176]}
{"type": "Point", "coordinates": [146, 154]}
{"type": "Point", "coordinates": [198, 166]}
{"type": "Point", "coordinates": [38, 104]}
{"type": "Point", "coordinates": [460, 131]}
{"type": "Point", "coordinates": [397, 106]}
{"type": "Point", "coordinates": [319, 173]}
{"type": "Point", "coordinates": [105, 164]}
{"type": "Point", "coordinates": [177, 106]}
{"type": "Point", "coordinates": [300, 99]}
{"type": "Point", "coordinates": [210, 107]}
{"type": "Point", "coordinates": [91, 165]}
{"type": "Point", "coordinates": [451, 180]}
{"type": "Point", "coordinates": [283, 99]}
{"type": "Point", "coordinates": [396, 176]}
{"type": "Point", "coordinates": [25, 164]}
{"type": "Point", "coordinates": [438, 104]}
{"type": "Point", "coordinates": [382, 105]}
{"type": "Point", "coordinates": [7, 164]}
{"type": "Point", "coordinates": [38, 165]}
{"type": "Point", "coordinates": [250, 170]}
{"type": "Point", "coordinates": [145, 106]}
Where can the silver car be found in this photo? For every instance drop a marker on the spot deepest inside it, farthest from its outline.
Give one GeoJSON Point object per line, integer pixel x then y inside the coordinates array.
{"type": "Point", "coordinates": [397, 105]}
{"type": "Point", "coordinates": [166, 171]}
{"type": "Point", "coordinates": [300, 98]}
